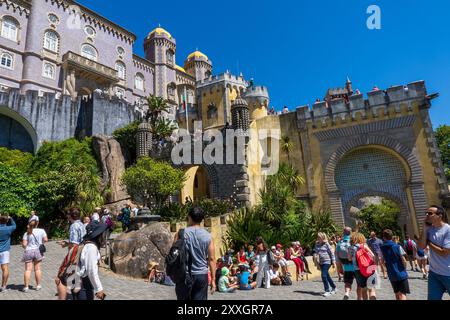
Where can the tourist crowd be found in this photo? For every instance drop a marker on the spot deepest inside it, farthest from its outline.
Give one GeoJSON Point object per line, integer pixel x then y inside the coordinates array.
{"type": "Point", "coordinates": [355, 259]}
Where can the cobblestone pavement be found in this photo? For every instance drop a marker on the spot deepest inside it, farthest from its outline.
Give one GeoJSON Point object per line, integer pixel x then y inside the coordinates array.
{"type": "Point", "coordinates": [122, 288]}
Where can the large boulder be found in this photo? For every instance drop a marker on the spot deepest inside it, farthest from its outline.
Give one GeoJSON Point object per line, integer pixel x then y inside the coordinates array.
{"type": "Point", "coordinates": [132, 251]}
{"type": "Point", "coordinates": [109, 154]}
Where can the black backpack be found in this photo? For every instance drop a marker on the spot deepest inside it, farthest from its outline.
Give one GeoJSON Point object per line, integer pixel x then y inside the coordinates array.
{"type": "Point", "coordinates": [178, 262]}
{"type": "Point", "coordinates": [286, 280]}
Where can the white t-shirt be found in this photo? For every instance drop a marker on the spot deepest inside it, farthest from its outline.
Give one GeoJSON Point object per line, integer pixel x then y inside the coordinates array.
{"type": "Point", "coordinates": [35, 239]}
{"type": "Point", "coordinates": [95, 217]}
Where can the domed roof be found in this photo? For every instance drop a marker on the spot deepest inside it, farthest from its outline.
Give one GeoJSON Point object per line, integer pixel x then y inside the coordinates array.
{"type": "Point", "coordinates": [180, 68]}
{"type": "Point", "coordinates": [160, 31]}
{"type": "Point", "coordinates": [239, 102]}
{"type": "Point", "coordinates": [197, 54]}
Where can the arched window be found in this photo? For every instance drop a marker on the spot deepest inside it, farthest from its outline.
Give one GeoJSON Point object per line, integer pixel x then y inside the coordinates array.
{"type": "Point", "coordinates": [6, 60]}
{"type": "Point", "coordinates": [10, 28]}
{"type": "Point", "coordinates": [139, 82]}
{"type": "Point", "coordinates": [89, 52]}
{"type": "Point", "coordinates": [121, 70]}
{"type": "Point", "coordinates": [169, 56]}
{"type": "Point", "coordinates": [51, 40]}
{"type": "Point", "coordinates": [171, 90]}
{"type": "Point", "coordinates": [49, 70]}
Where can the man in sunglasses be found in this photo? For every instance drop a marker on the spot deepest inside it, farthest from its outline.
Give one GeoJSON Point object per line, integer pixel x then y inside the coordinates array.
{"type": "Point", "coordinates": [436, 235]}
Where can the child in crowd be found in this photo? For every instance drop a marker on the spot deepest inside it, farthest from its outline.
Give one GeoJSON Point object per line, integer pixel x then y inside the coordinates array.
{"type": "Point", "coordinates": [279, 257]}
{"type": "Point", "coordinates": [250, 253]}
{"type": "Point", "coordinates": [262, 261]}
{"type": "Point", "coordinates": [86, 220]}
{"type": "Point", "coordinates": [224, 282]}
{"type": "Point", "coordinates": [275, 278]}
{"type": "Point", "coordinates": [245, 279]}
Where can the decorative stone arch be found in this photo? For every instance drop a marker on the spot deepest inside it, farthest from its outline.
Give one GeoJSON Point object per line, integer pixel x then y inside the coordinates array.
{"type": "Point", "coordinates": [403, 217]}
{"type": "Point", "coordinates": [9, 113]}
{"type": "Point", "coordinates": [415, 188]}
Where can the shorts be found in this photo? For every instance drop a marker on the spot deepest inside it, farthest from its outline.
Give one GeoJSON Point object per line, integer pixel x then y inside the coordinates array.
{"type": "Point", "coordinates": [348, 277]}
{"type": "Point", "coordinates": [360, 279]}
{"type": "Point", "coordinates": [421, 258]}
{"type": "Point", "coordinates": [401, 286]}
{"type": "Point", "coordinates": [4, 257]}
{"type": "Point", "coordinates": [248, 287]}
{"type": "Point", "coordinates": [33, 255]}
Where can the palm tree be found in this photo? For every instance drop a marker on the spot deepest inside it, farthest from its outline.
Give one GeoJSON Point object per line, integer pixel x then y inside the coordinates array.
{"type": "Point", "coordinates": [156, 106]}
{"type": "Point", "coordinates": [286, 146]}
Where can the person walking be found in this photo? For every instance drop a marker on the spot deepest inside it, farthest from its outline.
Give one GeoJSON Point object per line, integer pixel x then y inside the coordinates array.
{"type": "Point", "coordinates": [343, 255]}
{"type": "Point", "coordinates": [77, 232]}
{"type": "Point", "coordinates": [7, 227]}
{"type": "Point", "coordinates": [125, 217]}
{"type": "Point", "coordinates": [262, 263]}
{"type": "Point", "coordinates": [410, 247]}
{"type": "Point", "coordinates": [326, 259]}
{"type": "Point", "coordinates": [358, 242]}
{"type": "Point", "coordinates": [87, 269]}
{"type": "Point", "coordinates": [422, 258]}
{"type": "Point", "coordinates": [395, 265]}
{"type": "Point", "coordinates": [32, 257]}
{"type": "Point", "coordinates": [201, 250]}
{"type": "Point", "coordinates": [374, 244]}
{"type": "Point", "coordinates": [436, 234]}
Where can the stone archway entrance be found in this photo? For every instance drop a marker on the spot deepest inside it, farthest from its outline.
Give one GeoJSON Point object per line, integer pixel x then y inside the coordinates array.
{"type": "Point", "coordinates": [197, 185]}
{"type": "Point", "coordinates": [373, 171]}
{"type": "Point", "coordinates": [16, 132]}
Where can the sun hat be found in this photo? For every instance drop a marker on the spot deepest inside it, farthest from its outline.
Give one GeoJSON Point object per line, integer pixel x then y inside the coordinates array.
{"type": "Point", "coordinates": [152, 265]}
{"type": "Point", "coordinates": [273, 248]}
{"type": "Point", "coordinates": [225, 271]}
{"type": "Point", "coordinates": [94, 230]}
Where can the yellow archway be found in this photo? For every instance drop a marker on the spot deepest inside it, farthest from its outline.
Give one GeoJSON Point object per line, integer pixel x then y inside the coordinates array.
{"type": "Point", "coordinates": [196, 186]}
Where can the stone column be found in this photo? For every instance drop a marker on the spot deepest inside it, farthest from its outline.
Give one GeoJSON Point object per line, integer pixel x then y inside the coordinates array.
{"type": "Point", "coordinates": [337, 211]}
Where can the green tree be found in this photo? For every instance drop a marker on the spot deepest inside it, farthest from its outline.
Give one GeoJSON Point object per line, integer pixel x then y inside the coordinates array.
{"type": "Point", "coordinates": [152, 181]}
{"type": "Point", "coordinates": [16, 159]}
{"type": "Point", "coordinates": [67, 175]}
{"type": "Point", "coordinates": [443, 141]}
{"type": "Point", "coordinates": [17, 192]}
{"type": "Point", "coordinates": [377, 217]}
{"type": "Point", "coordinates": [287, 146]}
{"type": "Point", "coordinates": [126, 136]}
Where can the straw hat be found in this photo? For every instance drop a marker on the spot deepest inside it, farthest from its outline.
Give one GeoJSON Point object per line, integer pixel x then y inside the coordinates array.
{"type": "Point", "coordinates": [152, 265]}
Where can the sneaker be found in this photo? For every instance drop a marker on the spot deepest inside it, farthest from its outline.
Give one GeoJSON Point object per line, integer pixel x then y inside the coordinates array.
{"type": "Point", "coordinates": [346, 297]}
{"type": "Point", "coordinates": [334, 291]}
{"type": "Point", "coordinates": [3, 289]}
{"type": "Point", "coordinates": [326, 294]}
{"type": "Point", "coordinates": [25, 289]}
{"type": "Point", "coordinates": [39, 287]}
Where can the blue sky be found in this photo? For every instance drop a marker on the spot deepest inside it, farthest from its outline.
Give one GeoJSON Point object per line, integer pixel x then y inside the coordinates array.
{"type": "Point", "coordinates": [300, 48]}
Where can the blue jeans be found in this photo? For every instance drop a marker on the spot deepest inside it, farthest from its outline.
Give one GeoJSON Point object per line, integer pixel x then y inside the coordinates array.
{"type": "Point", "coordinates": [326, 278]}
{"type": "Point", "coordinates": [437, 285]}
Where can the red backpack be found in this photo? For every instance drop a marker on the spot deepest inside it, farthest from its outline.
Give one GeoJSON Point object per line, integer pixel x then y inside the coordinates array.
{"type": "Point", "coordinates": [365, 262]}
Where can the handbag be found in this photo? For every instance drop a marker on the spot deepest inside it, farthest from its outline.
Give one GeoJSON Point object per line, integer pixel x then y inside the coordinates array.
{"type": "Point", "coordinates": [42, 248]}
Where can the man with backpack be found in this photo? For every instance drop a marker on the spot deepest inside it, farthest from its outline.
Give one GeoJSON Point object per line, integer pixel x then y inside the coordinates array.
{"type": "Point", "coordinates": [396, 265]}
{"type": "Point", "coordinates": [411, 248]}
{"type": "Point", "coordinates": [342, 254]}
{"type": "Point", "coordinates": [188, 260]}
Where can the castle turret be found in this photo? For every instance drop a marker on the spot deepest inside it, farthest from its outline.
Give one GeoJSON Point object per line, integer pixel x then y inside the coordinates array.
{"type": "Point", "coordinates": [160, 48]}
{"type": "Point", "coordinates": [143, 140]}
{"type": "Point", "coordinates": [257, 98]}
{"type": "Point", "coordinates": [198, 65]}
{"type": "Point", "coordinates": [240, 118]}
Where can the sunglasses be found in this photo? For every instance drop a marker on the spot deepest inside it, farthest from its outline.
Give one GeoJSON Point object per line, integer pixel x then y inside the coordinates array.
{"type": "Point", "coordinates": [429, 213]}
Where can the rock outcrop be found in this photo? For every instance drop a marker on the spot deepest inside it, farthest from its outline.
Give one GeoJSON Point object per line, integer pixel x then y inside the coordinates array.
{"type": "Point", "coordinates": [132, 251]}
{"type": "Point", "coordinates": [110, 156]}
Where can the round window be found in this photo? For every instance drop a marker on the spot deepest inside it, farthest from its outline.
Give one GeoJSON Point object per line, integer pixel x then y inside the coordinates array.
{"type": "Point", "coordinates": [53, 18]}
{"type": "Point", "coordinates": [120, 51]}
{"type": "Point", "coordinates": [89, 31]}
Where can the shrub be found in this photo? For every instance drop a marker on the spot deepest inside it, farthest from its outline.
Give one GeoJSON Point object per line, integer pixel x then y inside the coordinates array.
{"type": "Point", "coordinates": [17, 192]}
{"type": "Point", "coordinates": [16, 159]}
{"type": "Point", "coordinates": [151, 181]}
{"type": "Point", "coordinates": [126, 136]}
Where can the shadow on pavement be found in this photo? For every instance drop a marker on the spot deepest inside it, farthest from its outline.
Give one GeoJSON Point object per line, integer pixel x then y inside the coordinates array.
{"type": "Point", "coordinates": [313, 293]}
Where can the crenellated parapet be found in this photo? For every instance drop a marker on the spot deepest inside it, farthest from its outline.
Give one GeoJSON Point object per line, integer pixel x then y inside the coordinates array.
{"type": "Point", "coordinates": [380, 104]}
{"type": "Point", "coordinates": [227, 77]}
